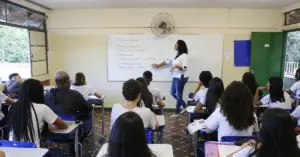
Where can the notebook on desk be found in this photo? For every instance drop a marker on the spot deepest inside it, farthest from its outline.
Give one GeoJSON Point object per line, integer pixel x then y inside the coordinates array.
{"type": "Point", "coordinates": [71, 126]}
{"type": "Point", "coordinates": [225, 150]}
{"type": "Point", "coordinates": [196, 126]}
{"type": "Point", "coordinates": [93, 97]}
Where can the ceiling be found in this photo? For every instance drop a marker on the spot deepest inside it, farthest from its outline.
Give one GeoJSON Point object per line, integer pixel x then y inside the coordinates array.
{"type": "Point", "coordinates": [66, 4]}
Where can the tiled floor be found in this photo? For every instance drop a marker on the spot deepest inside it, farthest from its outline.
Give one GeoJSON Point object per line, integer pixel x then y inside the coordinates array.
{"type": "Point", "coordinates": [173, 134]}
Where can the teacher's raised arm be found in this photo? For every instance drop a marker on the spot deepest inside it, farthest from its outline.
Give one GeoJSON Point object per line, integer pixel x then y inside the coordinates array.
{"type": "Point", "coordinates": [179, 74]}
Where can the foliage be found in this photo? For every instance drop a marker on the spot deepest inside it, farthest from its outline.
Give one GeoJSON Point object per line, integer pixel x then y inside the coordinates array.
{"type": "Point", "coordinates": [14, 45]}
{"type": "Point", "coordinates": [293, 47]}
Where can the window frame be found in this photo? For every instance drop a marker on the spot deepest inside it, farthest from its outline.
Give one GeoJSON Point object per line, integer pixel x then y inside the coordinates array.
{"type": "Point", "coordinates": [44, 30]}
{"type": "Point", "coordinates": [286, 17]}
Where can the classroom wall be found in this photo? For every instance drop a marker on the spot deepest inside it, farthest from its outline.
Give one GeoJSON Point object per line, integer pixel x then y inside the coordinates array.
{"type": "Point", "coordinates": [78, 39]}
{"type": "Point", "coordinates": [291, 7]}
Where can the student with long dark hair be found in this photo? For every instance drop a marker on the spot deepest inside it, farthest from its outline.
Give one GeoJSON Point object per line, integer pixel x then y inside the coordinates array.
{"type": "Point", "coordinates": [277, 97]}
{"type": "Point", "coordinates": [159, 97]}
{"type": "Point", "coordinates": [213, 96]}
{"type": "Point", "coordinates": [236, 115]}
{"type": "Point", "coordinates": [146, 96]}
{"type": "Point", "coordinates": [250, 81]}
{"type": "Point", "coordinates": [179, 74]}
{"type": "Point", "coordinates": [277, 137]}
{"type": "Point", "coordinates": [28, 115]}
{"type": "Point", "coordinates": [81, 86]}
{"type": "Point", "coordinates": [127, 138]}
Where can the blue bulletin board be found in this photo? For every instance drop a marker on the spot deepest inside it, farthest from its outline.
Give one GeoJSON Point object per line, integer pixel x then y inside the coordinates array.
{"type": "Point", "coordinates": [242, 50]}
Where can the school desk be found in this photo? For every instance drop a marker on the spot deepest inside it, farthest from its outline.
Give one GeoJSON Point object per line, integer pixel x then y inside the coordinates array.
{"type": "Point", "coordinates": [162, 123]}
{"type": "Point", "coordinates": [99, 102]}
{"type": "Point", "coordinates": [19, 152]}
{"type": "Point", "coordinates": [160, 150]}
{"type": "Point", "coordinates": [212, 149]}
{"type": "Point", "coordinates": [71, 129]}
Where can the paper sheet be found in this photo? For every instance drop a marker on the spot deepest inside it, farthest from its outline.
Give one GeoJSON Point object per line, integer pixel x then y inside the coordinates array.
{"type": "Point", "coordinates": [190, 109]}
{"type": "Point", "coordinates": [225, 150]}
{"type": "Point", "coordinates": [196, 125]}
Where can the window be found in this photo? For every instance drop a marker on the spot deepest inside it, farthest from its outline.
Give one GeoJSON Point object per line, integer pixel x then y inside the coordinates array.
{"type": "Point", "coordinates": [292, 17]}
{"type": "Point", "coordinates": [14, 51]}
{"type": "Point", "coordinates": [23, 41]}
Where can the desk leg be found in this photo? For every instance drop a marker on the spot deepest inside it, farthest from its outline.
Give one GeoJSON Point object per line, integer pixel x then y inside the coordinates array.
{"type": "Point", "coordinates": [93, 129]}
{"type": "Point", "coordinates": [162, 136]}
{"type": "Point", "coordinates": [76, 143]}
{"type": "Point", "coordinates": [196, 143]}
{"type": "Point", "coordinates": [103, 134]}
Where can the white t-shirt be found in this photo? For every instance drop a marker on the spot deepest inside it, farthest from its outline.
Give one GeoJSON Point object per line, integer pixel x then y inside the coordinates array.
{"type": "Point", "coordinates": [296, 114]}
{"type": "Point", "coordinates": [44, 114]}
{"type": "Point", "coordinates": [156, 93]}
{"type": "Point", "coordinates": [283, 105]}
{"type": "Point", "coordinates": [148, 117]}
{"type": "Point", "coordinates": [200, 96]}
{"type": "Point", "coordinates": [217, 121]}
{"type": "Point", "coordinates": [3, 97]}
{"type": "Point", "coordinates": [295, 89]}
{"type": "Point", "coordinates": [84, 90]}
{"type": "Point", "coordinates": [182, 60]}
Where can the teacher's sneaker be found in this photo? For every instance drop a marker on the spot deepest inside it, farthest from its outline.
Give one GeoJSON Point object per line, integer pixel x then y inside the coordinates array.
{"type": "Point", "coordinates": [174, 115]}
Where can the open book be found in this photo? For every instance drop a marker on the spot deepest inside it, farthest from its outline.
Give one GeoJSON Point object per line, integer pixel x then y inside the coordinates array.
{"type": "Point", "coordinates": [196, 126]}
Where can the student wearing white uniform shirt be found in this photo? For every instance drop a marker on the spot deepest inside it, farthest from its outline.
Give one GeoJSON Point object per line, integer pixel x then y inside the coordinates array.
{"type": "Point", "coordinates": [296, 114]}
{"type": "Point", "coordinates": [4, 99]}
{"type": "Point", "coordinates": [296, 86]}
{"type": "Point", "coordinates": [179, 74]}
{"type": "Point", "coordinates": [28, 115]}
{"type": "Point", "coordinates": [277, 97]}
{"type": "Point", "coordinates": [236, 115]}
{"type": "Point", "coordinates": [277, 137]}
{"type": "Point", "coordinates": [81, 87]}
{"type": "Point", "coordinates": [200, 97]}
{"type": "Point", "coordinates": [132, 92]}
{"type": "Point", "coordinates": [159, 97]}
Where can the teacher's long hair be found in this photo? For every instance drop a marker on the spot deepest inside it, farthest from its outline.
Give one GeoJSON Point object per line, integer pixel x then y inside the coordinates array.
{"type": "Point", "coordinates": [181, 49]}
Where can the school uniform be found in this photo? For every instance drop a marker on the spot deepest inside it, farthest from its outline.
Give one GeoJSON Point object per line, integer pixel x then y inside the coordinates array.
{"type": "Point", "coordinates": [296, 114]}
{"type": "Point", "coordinates": [148, 117]}
{"type": "Point", "coordinates": [295, 89]}
{"type": "Point", "coordinates": [84, 90]}
{"type": "Point", "coordinates": [200, 96]}
{"type": "Point", "coordinates": [180, 78]}
{"type": "Point", "coordinates": [218, 122]}
{"type": "Point", "coordinates": [43, 114]}
{"type": "Point", "coordinates": [156, 93]}
{"type": "Point", "coordinates": [283, 105]}
{"type": "Point", "coordinates": [3, 97]}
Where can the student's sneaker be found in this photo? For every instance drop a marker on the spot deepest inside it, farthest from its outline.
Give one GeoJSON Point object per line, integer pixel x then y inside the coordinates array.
{"type": "Point", "coordinates": [174, 115]}
{"type": "Point", "coordinates": [183, 110]}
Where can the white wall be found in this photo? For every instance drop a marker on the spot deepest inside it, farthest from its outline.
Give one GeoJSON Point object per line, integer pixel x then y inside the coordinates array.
{"type": "Point", "coordinates": [291, 7]}
{"type": "Point", "coordinates": [78, 38]}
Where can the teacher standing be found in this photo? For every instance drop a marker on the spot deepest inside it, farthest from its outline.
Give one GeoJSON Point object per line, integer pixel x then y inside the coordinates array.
{"type": "Point", "coordinates": [179, 74]}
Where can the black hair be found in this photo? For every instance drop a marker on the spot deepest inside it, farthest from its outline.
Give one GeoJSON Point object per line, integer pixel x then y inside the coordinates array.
{"type": "Point", "coordinates": [11, 76]}
{"type": "Point", "coordinates": [205, 77]}
{"type": "Point", "coordinates": [20, 115]}
{"type": "Point", "coordinates": [277, 135]}
{"type": "Point", "coordinates": [79, 79]}
{"type": "Point", "coordinates": [146, 95]}
{"type": "Point", "coordinates": [213, 95]}
{"type": "Point", "coordinates": [297, 75]}
{"type": "Point", "coordinates": [237, 106]}
{"type": "Point", "coordinates": [131, 90]}
{"type": "Point", "coordinates": [148, 76]}
{"type": "Point", "coordinates": [127, 138]}
{"type": "Point", "coordinates": [249, 80]}
{"type": "Point", "coordinates": [276, 89]}
{"type": "Point", "coordinates": [182, 48]}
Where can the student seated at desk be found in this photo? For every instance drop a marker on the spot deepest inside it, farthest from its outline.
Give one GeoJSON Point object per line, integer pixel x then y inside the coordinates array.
{"type": "Point", "coordinates": [236, 115]}
{"type": "Point", "coordinates": [296, 86]}
{"type": "Point", "coordinates": [13, 86]}
{"type": "Point", "coordinates": [4, 99]}
{"type": "Point", "coordinates": [296, 114]}
{"type": "Point", "coordinates": [28, 115]}
{"type": "Point", "coordinates": [277, 137]}
{"type": "Point", "coordinates": [204, 79]}
{"type": "Point", "coordinates": [250, 81]}
{"type": "Point", "coordinates": [81, 87]}
{"type": "Point", "coordinates": [132, 92]}
{"type": "Point", "coordinates": [147, 99]}
{"type": "Point", "coordinates": [213, 97]}
{"type": "Point", "coordinates": [127, 138]}
{"type": "Point", "coordinates": [277, 97]}
{"type": "Point", "coordinates": [155, 91]}
{"type": "Point", "coordinates": [63, 100]}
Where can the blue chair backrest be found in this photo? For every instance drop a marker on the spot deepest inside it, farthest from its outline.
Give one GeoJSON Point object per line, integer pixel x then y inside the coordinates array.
{"type": "Point", "coordinates": [66, 117]}
{"type": "Point", "coordinates": [17, 144]}
{"type": "Point", "coordinates": [236, 138]}
{"type": "Point", "coordinates": [289, 110]}
{"type": "Point", "coordinates": [149, 136]}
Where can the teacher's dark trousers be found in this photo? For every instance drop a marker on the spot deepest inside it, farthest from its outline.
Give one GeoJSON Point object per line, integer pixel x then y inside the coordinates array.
{"type": "Point", "coordinates": [177, 88]}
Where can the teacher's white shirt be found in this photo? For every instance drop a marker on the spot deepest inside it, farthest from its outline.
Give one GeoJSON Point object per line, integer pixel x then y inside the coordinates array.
{"type": "Point", "coordinates": [182, 60]}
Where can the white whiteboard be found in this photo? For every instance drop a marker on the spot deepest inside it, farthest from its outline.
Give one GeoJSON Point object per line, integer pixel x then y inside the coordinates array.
{"type": "Point", "coordinates": [130, 55]}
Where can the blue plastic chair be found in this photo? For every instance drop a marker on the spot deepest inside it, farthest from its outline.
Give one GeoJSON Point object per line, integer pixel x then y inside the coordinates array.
{"type": "Point", "coordinates": [149, 136]}
{"type": "Point", "coordinates": [17, 144]}
{"type": "Point", "coordinates": [236, 138]}
{"type": "Point", "coordinates": [66, 117]}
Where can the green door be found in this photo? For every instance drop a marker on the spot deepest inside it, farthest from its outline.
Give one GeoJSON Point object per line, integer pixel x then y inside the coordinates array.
{"type": "Point", "coordinates": [266, 55]}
